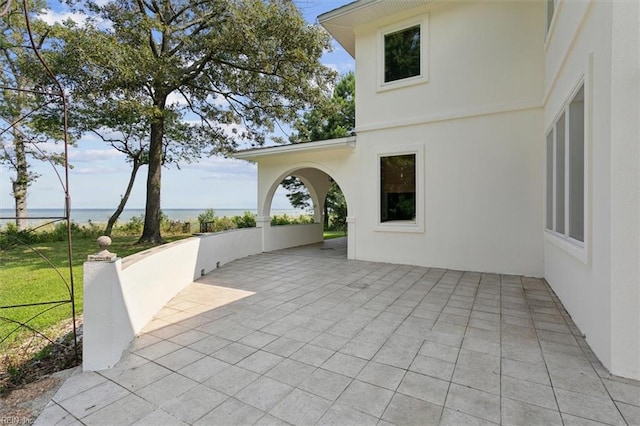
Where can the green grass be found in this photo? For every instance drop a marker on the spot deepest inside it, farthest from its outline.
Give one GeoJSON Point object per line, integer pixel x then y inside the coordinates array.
{"type": "Point", "coordinates": [25, 277]}
{"type": "Point", "coordinates": [328, 235]}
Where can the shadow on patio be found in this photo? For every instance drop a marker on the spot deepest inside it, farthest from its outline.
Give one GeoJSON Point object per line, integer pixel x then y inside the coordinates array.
{"type": "Point", "coordinates": [305, 336]}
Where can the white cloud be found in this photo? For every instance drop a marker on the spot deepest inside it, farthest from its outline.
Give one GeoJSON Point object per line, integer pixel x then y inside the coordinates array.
{"type": "Point", "coordinates": [57, 17]}
{"type": "Point", "coordinates": [176, 98]}
{"type": "Point", "coordinates": [92, 155]}
{"type": "Point", "coordinates": [219, 168]}
{"type": "Point", "coordinates": [99, 170]}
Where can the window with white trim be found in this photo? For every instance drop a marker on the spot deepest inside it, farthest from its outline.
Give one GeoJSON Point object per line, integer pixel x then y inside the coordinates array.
{"type": "Point", "coordinates": [402, 54]}
{"type": "Point", "coordinates": [565, 187]}
{"type": "Point", "coordinates": [402, 57]}
{"type": "Point", "coordinates": [398, 188]}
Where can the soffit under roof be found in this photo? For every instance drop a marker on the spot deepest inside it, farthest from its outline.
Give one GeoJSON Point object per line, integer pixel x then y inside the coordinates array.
{"type": "Point", "coordinates": [341, 22]}
{"type": "Point", "coordinates": [255, 154]}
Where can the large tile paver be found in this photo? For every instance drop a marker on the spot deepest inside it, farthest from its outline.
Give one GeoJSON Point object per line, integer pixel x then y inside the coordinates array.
{"type": "Point", "coordinates": [304, 336]}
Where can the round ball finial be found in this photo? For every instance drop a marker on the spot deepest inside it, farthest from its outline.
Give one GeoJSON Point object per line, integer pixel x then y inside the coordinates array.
{"type": "Point", "coordinates": [103, 242]}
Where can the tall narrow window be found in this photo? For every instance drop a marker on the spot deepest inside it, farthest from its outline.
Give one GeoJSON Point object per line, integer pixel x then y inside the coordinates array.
{"type": "Point", "coordinates": [560, 175]}
{"type": "Point", "coordinates": [550, 151]}
{"type": "Point", "coordinates": [576, 166]}
{"type": "Point", "coordinates": [402, 54]}
{"type": "Point", "coordinates": [398, 188]}
{"type": "Point", "coordinates": [565, 185]}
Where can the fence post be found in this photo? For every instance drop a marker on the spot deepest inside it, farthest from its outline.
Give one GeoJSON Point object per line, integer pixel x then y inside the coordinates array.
{"type": "Point", "coordinates": [102, 309]}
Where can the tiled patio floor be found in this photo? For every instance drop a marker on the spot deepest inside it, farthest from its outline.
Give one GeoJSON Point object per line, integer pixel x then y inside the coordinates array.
{"type": "Point", "coordinates": [308, 337]}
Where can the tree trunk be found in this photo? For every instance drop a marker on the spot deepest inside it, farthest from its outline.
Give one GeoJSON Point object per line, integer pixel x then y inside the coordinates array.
{"type": "Point", "coordinates": [21, 181]}
{"type": "Point", "coordinates": [151, 230]}
{"type": "Point", "coordinates": [326, 214]}
{"type": "Point", "coordinates": [123, 202]}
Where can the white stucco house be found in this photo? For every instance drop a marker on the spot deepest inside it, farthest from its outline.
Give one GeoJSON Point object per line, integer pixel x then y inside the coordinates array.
{"type": "Point", "coordinates": [493, 136]}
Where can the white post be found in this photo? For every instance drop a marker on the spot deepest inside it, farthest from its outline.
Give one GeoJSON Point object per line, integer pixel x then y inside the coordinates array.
{"type": "Point", "coordinates": [103, 310]}
{"type": "Point", "coordinates": [264, 222]}
{"type": "Point", "coordinates": [351, 237]}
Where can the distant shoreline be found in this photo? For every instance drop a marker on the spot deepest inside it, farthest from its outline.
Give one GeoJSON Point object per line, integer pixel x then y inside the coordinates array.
{"type": "Point", "coordinates": [84, 216]}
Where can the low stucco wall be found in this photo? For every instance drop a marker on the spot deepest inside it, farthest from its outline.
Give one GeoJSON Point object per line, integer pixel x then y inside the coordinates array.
{"type": "Point", "coordinates": [120, 297]}
{"type": "Point", "coordinates": [285, 236]}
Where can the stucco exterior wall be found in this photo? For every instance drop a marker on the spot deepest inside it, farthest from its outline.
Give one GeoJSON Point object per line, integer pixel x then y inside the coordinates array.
{"type": "Point", "coordinates": [481, 206]}
{"type": "Point", "coordinates": [482, 56]}
{"type": "Point", "coordinates": [476, 120]}
{"type": "Point", "coordinates": [599, 283]}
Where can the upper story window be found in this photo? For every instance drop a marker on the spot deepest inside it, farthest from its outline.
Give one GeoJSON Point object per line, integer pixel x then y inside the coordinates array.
{"type": "Point", "coordinates": [402, 54]}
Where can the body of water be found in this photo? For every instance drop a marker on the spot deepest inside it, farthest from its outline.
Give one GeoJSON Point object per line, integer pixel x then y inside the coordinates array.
{"type": "Point", "coordinates": [84, 216]}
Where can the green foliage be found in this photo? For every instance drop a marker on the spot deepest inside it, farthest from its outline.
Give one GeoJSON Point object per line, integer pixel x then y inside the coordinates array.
{"type": "Point", "coordinates": [10, 236]}
{"type": "Point", "coordinates": [333, 119]}
{"type": "Point", "coordinates": [284, 219]}
{"type": "Point", "coordinates": [208, 216]}
{"type": "Point", "coordinates": [223, 224]}
{"type": "Point", "coordinates": [239, 64]}
{"type": "Point", "coordinates": [210, 223]}
{"type": "Point", "coordinates": [330, 120]}
{"type": "Point", "coordinates": [336, 208]}
{"type": "Point", "coordinates": [247, 220]}
{"type": "Point", "coordinates": [329, 235]}
{"type": "Point", "coordinates": [132, 227]}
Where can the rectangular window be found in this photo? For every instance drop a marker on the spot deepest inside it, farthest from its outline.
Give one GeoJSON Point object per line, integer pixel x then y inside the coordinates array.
{"type": "Point", "coordinates": [576, 166]}
{"type": "Point", "coordinates": [402, 54]}
{"type": "Point", "coordinates": [565, 172]}
{"type": "Point", "coordinates": [560, 175]}
{"type": "Point", "coordinates": [398, 188]}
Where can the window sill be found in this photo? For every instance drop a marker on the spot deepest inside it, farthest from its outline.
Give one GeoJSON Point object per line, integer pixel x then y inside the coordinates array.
{"type": "Point", "coordinates": [573, 247]}
{"type": "Point", "coordinates": [400, 226]}
{"type": "Point", "coordinates": [400, 84]}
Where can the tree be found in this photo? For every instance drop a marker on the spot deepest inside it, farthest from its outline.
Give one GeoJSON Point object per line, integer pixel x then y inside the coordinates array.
{"type": "Point", "coordinates": [23, 104]}
{"type": "Point", "coordinates": [238, 66]}
{"type": "Point", "coordinates": [126, 130]}
{"type": "Point", "coordinates": [331, 120]}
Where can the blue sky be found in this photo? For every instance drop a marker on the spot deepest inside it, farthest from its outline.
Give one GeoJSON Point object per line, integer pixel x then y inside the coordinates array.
{"type": "Point", "coordinates": [100, 174]}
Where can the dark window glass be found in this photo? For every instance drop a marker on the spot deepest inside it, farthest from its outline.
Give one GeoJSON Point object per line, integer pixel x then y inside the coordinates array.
{"type": "Point", "coordinates": [398, 188]}
{"type": "Point", "coordinates": [402, 54]}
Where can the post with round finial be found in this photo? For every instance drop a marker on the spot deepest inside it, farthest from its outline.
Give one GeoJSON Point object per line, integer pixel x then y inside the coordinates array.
{"type": "Point", "coordinates": [104, 255]}
{"type": "Point", "coordinates": [106, 330]}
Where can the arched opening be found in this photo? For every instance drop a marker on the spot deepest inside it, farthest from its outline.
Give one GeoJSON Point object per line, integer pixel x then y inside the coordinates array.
{"type": "Point", "coordinates": [320, 201]}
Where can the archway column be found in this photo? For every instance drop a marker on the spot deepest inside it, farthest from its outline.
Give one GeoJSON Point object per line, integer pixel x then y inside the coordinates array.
{"type": "Point", "coordinates": [264, 223]}
{"type": "Point", "coordinates": [351, 237]}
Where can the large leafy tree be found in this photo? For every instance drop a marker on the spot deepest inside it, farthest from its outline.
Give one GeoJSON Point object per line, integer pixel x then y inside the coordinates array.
{"type": "Point", "coordinates": [330, 120]}
{"type": "Point", "coordinates": [237, 66]}
{"type": "Point", "coordinates": [24, 103]}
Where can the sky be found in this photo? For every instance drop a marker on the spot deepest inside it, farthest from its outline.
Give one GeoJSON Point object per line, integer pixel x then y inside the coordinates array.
{"type": "Point", "coordinates": [99, 174]}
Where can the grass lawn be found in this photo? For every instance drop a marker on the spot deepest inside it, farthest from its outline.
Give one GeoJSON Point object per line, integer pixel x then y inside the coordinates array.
{"type": "Point", "coordinates": [25, 277]}
{"type": "Point", "coordinates": [328, 235]}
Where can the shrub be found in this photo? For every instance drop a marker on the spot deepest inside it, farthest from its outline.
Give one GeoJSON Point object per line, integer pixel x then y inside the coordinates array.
{"type": "Point", "coordinates": [132, 227]}
{"type": "Point", "coordinates": [247, 220]}
{"type": "Point", "coordinates": [223, 224]}
{"type": "Point", "coordinates": [284, 219]}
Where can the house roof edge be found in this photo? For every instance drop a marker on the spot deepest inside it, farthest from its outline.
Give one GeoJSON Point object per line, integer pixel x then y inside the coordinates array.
{"type": "Point", "coordinates": [326, 145]}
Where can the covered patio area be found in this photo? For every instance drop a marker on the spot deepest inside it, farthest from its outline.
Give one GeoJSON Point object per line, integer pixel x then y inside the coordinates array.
{"type": "Point", "coordinates": [305, 336]}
